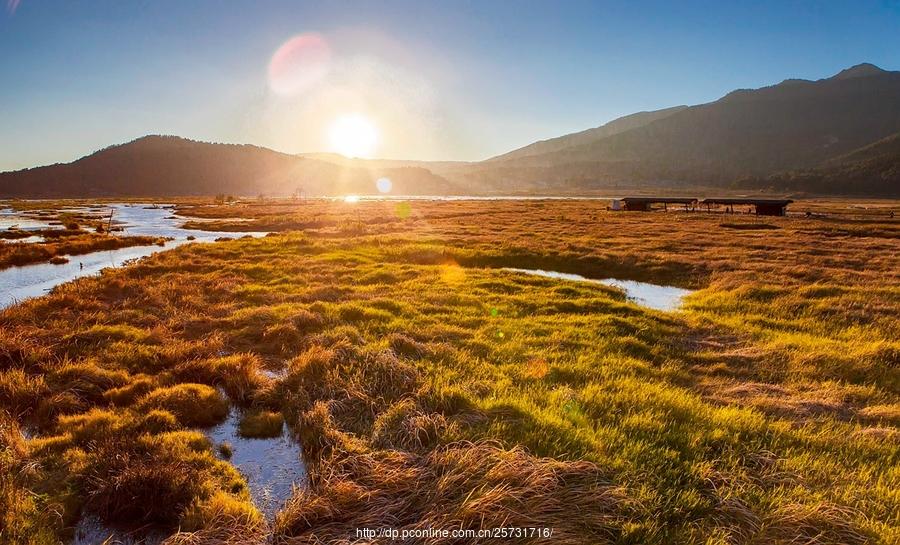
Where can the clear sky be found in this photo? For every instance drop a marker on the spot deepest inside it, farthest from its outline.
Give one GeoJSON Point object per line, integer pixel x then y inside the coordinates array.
{"type": "Point", "coordinates": [435, 80]}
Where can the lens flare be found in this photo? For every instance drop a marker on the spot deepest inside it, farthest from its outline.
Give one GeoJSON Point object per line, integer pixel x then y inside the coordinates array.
{"type": "Point", "coordinates": [452, 273]}
{"type": "Point", "coordinates": [298, 64]}
{"type": "Point", "coordinates": [403, 210]}
{"type": "Point", "coordinates": [537, 368]}
{"type": "Point", "coordinates": [384, 185]}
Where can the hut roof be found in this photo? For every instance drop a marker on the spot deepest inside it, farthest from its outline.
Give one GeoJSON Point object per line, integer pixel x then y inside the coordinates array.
{"type": "Point", "coordinates": [675, 200]}
{"type": "Point", "coordinates": [782, 202]}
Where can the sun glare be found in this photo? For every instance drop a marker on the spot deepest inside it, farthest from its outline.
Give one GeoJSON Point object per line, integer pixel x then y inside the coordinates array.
{"type": "Point", "coordinates": [353, 136]}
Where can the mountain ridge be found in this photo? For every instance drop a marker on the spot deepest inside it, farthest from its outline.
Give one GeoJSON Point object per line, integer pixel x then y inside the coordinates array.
{"type": "Point", "coordinates": [157, 165]}
{"type": "Point", "coordinates": [802, 134]}
{"type": "Point", "coordinates": [873, 170]}
{"type": "Point", "coordinates": [863, 69]}
{"type": "Point", "coordinates": [620, 124]}
{"type": "Point", "coordinates": [745, 133]}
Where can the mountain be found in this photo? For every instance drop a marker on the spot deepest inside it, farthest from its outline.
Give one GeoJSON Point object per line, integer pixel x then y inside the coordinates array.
{"type": "Point", "coordinates": [173, 166]}
{"type": "Point", "coordinates": [615, 126]}
{"type": "Point", "coordinates": [872, 170]}
{"type": "Point", "coordinates": [858, 71]}
{"type": "Point", "coordinates": [794, 125]}
{"type": "Point", "coordinates": [837, 135]}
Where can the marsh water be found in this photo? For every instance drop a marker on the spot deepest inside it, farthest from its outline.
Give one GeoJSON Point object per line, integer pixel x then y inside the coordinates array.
{"type": "Point", "coordinates": [90, 530]}
{"type": "Point", "coordinates": [272, 467]}
{"type": "Point", "coordinates": [9, 218]}
{"type": "Point", "coordinates": [19, 283]}
{"type": "Point", "coordinates": [655, 296]}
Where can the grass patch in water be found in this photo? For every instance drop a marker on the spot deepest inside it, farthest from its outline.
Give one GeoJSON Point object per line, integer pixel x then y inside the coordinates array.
{"type": "Point", "coordinates": [261, 424]}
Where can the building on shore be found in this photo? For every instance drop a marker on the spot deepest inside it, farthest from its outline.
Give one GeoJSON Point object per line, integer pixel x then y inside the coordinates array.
{"type": "Point", "coordinates": [762, 207]}
{"type": "Point", "coordinates": [645, 204]}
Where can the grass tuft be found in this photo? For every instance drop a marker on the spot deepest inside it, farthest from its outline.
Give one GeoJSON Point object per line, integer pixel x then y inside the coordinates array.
{"type": "Point", "coordinates": [468, 486]}
{"type": "Point", "coordinates": [192, 404]}
{"type": "Point", "coordinates": [261, 424]}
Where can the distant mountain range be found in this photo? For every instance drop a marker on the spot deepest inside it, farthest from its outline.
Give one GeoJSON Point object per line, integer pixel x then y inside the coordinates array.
{"type": "Point", "coordinates": [839, 135]}
{"type": "Point", "coordinates": [871, 170]}
{"type": "Point", "coordinates": [795, 125]}
{"type": "Point", "coordinates": [615, 126]}
{"type": "Point", "coordinates": [172, 166]}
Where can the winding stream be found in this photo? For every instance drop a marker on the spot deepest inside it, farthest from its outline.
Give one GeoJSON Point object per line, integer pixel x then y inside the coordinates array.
{"type": "Point", "coordinates": [19, 283]}
{"type": "Point", "coordinates": [655, 296]}
{"type": "Point", "coordinates": [272, 467]}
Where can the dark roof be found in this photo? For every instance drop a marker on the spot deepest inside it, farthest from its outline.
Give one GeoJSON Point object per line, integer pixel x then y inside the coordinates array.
{"type": "Point", "coordinates": [782, 202]}
{"type": "Point", "coordinates": [676, 200]}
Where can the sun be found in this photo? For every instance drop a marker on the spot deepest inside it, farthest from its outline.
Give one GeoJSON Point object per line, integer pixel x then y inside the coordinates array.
{"type": "Point", "coordinates": [353, 135]}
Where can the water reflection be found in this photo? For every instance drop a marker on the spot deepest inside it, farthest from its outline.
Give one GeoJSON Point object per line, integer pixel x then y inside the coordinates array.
{"type": "Point", "coordinates": [655, 296]}
{"type": "Point", "coordinates": [18, 283]}
{"type": "Point", "coordinates": [271, 466]}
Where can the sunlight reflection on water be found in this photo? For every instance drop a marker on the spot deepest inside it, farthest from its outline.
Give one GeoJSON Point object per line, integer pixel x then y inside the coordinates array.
{"type": "Point", "coordinates": [272, 467]}
{"type": "Point", "coordinates": [19, 283]}
{"type": "Point", "coordinates": [665, 298]}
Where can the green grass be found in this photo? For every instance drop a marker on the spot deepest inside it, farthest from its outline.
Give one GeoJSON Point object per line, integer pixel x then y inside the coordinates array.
{"type": "Point", "coordinates": [192, 404]}
{"type": "Point", "coordinates": [765, 412]}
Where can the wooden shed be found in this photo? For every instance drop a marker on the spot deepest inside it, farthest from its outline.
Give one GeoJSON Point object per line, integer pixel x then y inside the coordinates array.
{"type": "Point", "coordinates": [644, 204]}
{"type": "Point", "coordinates": [762, 207]}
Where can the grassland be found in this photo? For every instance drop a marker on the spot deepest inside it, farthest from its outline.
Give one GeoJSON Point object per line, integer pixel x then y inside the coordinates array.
{"type": "Point", "coordinates": [430, 388]}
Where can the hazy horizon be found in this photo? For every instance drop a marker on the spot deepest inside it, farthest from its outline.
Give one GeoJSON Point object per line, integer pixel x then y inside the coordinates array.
{"type": "Point", "coordinates": [400, 81]}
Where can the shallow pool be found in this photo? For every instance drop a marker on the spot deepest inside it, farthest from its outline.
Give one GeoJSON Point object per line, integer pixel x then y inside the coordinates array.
{"type": "Point", "coordinates": [90, 530]}
{"type": "Point", "coordinates": [272, 467]}
{"type": "Point", "coordinates": [655, 296]}
{"type": "Point", "coordinates": [24, 240]}
{"type": "Point", "coordinates": [10, 218]}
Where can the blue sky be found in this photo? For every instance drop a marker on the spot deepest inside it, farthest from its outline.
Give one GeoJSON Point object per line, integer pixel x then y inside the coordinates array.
{"type": "Point", "coordinates": [440, 80]}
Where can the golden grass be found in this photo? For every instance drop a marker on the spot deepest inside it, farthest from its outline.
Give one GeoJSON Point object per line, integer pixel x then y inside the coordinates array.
{"type": "Point", "coordinates": [261, 424]}
{"type": "Point", "coordinates": [55, 249]}
{"type": "Point", "coordinates": [192, 404]}
{"type": "Point", "coordinates": [25, 519]}
{"type": "Point", "coordinates": [764, 412]}
{"type": "Point", "coordinates": [461, 486]}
